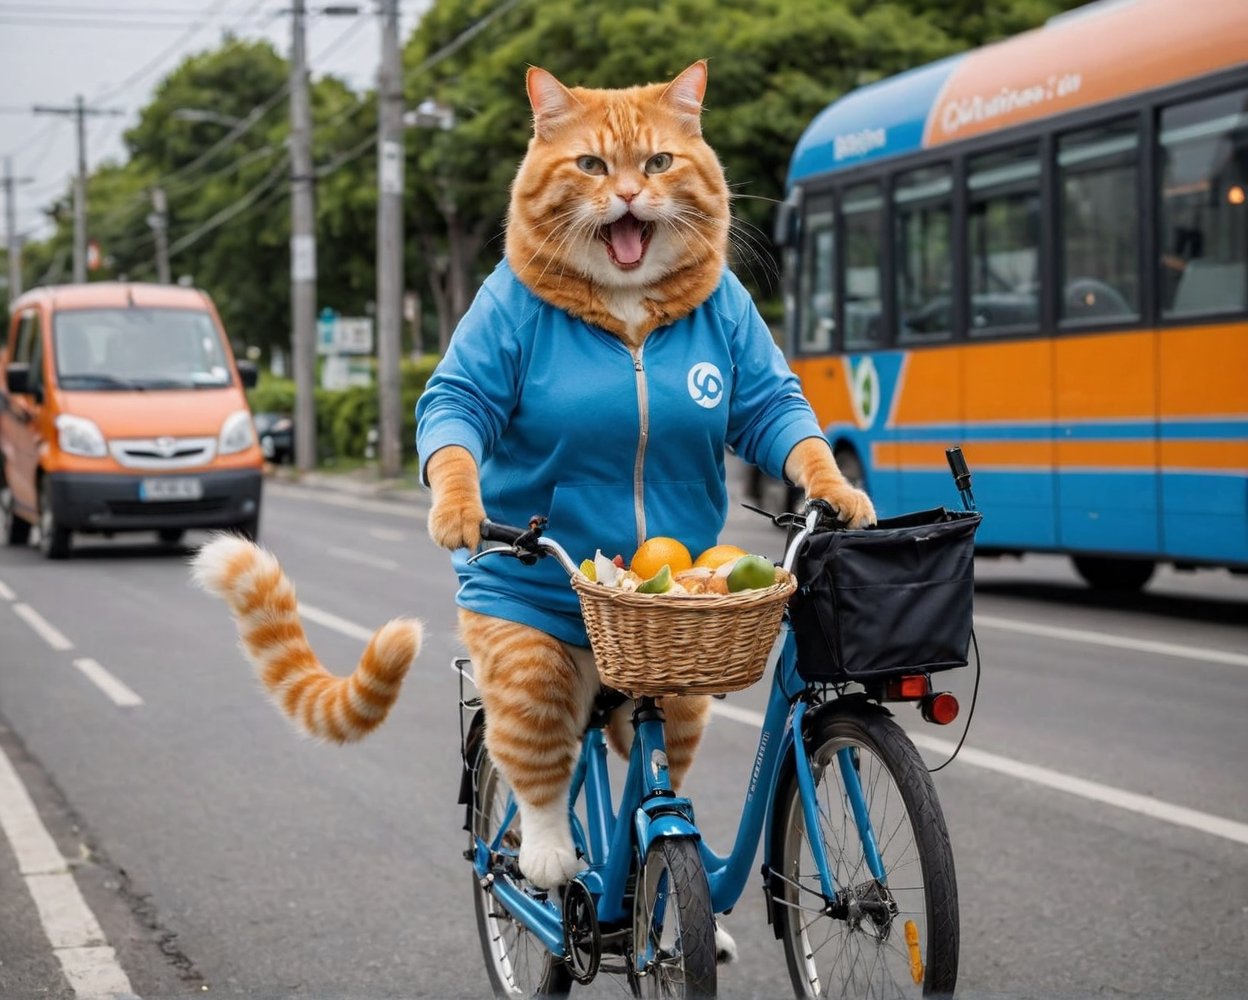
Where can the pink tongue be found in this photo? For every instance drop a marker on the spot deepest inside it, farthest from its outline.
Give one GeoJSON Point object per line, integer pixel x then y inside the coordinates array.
{"type": "Point", "coordinates": [626, 240]}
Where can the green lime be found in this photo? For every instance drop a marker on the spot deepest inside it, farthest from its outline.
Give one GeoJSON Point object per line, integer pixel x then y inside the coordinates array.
{"type": "Point", "coordinates": [660, 583]}
{"type": "Point", "coordinates": [751, 573]}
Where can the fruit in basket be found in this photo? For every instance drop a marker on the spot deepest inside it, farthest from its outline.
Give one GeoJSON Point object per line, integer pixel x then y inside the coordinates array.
{"type": "Point", "coordinates": [660, 583]}
{"type": "Point", "coordinates": [717, 555]}
{"type": "Point", "coordinates": [751, 573]}
{"type": "Point", "coordinates": [655, 553]}
{"type": "Point", "coordinates": [606, 571]}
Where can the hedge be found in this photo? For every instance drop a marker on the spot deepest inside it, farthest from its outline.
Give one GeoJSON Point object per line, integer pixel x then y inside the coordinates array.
{"type": "Point", "coordinates": [345, 416]}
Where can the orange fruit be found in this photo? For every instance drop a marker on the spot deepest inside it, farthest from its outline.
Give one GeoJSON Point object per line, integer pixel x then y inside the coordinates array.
{"type": "Point", "coordinates": [655, 553]}
{"type": "Point", "coordinates": [717, 555]}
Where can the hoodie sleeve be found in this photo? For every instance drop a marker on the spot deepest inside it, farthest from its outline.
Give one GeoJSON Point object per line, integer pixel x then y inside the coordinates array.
{"type": "Point", "coordinates": [472, 392]}
{"type": "Point", "coordinates": [769, 414]}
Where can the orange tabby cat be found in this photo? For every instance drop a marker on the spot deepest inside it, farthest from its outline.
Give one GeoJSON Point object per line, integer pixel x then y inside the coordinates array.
{"type": "Point", "coordinates": [619, 218]}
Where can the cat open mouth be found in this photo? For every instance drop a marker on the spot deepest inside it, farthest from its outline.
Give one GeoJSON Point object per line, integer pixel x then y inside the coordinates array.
{"type": "Point", "coordinates": [626, 239]}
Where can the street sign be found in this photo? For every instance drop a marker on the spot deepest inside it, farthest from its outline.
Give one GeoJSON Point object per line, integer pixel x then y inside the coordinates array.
{"type": "Point", "coordinates": [326, 331]}
{"type": "Point", "coordinates": [354, 335]}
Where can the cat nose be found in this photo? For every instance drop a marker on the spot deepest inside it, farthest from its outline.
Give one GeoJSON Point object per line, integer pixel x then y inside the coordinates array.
{"type": "Point", "coordinates": [628, 194]}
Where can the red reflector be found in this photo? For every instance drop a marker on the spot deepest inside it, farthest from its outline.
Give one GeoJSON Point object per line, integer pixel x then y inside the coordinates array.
{"type": "Point", "coordinates": [910, 687]}
{"type": "Point", "coordinates": [941, 708]}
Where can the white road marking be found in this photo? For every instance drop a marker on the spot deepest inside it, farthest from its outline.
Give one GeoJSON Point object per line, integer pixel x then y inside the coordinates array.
{"type": "Point", "coordinates": [388, 534]}
{"type": "Point", "coordinates": [77, 940]}
{"type": "Point", "coordinates": [332, 621]}
{"type": "Point", "coordinates": [6, 593]}
{"type": "Point", "coordinates": [40, 624]}
{"type": "Point", "coordinates": [364, 559]}
{"type": "Point", "coordinates": [121, 695]}
{"type": "Point", "coordinates": [1145, 805]}
{"type": "Point", "coordinates": [1202, 653]}
{"type": "Point", "coordinates": [399, 507]}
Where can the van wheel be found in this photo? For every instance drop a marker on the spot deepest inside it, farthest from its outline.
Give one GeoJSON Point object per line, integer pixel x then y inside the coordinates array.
{"type": "Point", "coordinates": [16, 531]}
{"type": "Point", "coordinates": [53, 538]}
{"type": "Point", "coordinates": [170, 536]}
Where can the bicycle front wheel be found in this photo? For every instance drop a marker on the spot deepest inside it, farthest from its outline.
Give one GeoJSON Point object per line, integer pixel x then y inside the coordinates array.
{"type": "Point", "coordinates": [673, 924]}
{"type": "Point", "coordinates": [519, 965]}
{"type": "Point", "coordinates": [894, 936]}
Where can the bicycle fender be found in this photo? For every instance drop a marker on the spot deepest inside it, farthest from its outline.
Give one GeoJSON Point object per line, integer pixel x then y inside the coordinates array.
{"type": "Point", "coordinates": [663, 819]}
{"type": "Point", "coordinates": [472, 741]}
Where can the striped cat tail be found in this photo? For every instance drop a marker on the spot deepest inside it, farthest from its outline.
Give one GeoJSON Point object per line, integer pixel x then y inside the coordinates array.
{"type": "Point", "coordinates": [262, 598]}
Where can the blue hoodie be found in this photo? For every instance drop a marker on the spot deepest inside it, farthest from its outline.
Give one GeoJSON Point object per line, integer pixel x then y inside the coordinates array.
{"type": "Point", "coordinates": [613, 445]}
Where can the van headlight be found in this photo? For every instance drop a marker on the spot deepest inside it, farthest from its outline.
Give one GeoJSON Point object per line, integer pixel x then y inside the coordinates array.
{"type": "Point", "coordinates": [80, 436]}
{"type": "Point", "coordinates": [237, 433]}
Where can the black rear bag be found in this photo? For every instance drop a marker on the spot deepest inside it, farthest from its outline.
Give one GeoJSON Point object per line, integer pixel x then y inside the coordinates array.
{"type": "Point", "coordinates": [886, 600]}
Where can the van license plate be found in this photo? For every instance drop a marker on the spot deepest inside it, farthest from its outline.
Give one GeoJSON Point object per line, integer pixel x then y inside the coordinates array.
{"type": "Point", "coordinates": [171, 488]}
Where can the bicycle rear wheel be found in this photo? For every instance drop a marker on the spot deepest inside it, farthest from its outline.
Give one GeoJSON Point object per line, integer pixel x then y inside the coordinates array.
{"type": "Point", "coordinates": [894, 937]}
{"type": "Point", "coordinates": [517, 962]}
{"type": "Point", "coordinates": [673, 924]}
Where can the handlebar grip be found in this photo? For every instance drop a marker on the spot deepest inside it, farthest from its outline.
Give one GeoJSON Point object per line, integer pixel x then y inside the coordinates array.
{"type": "Point", "coordinates": [505, 533]}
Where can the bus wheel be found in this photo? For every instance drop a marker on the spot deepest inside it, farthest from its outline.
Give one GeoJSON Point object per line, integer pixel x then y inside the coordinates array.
{"type": "Point", "coordinates": [1121, 575]}
{"type": "Point", "coordinates": [850, 464]}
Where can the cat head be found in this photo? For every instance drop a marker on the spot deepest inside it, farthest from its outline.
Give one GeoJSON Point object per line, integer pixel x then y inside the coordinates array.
{"type": "Point", "coordinates": [619, 198]}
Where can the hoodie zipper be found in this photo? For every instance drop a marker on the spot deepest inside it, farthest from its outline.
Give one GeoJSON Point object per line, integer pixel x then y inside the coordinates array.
{"type": "Point", "coordinates": [643, 411]}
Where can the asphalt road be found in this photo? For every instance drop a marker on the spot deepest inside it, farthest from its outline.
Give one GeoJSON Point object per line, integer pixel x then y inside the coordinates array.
{"type": "Point", "coordinates": [1099, 813]}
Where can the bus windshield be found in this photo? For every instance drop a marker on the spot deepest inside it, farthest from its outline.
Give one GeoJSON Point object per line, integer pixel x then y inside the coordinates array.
{"type": "Point", "coordinates": [135, 348]}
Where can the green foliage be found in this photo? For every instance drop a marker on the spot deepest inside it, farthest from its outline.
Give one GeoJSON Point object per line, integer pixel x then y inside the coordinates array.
{"type": "Point", "coordinates": [272, 394]}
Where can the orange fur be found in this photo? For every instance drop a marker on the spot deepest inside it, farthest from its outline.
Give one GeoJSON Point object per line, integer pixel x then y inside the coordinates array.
{"type": "Point", "coordinates": [812, 466]}
{"type": "Point", "coordinates": [337, 709]}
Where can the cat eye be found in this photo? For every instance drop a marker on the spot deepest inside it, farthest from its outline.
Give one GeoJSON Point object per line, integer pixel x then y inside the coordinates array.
{"type": "Point", "coordinates": [591, 164]}
{"type": "Point", "coordinates": [658, 163]}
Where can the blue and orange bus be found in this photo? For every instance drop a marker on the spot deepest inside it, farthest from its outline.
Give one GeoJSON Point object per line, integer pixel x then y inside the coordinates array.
{"type": "Point", "coordinates": [1039, 250]}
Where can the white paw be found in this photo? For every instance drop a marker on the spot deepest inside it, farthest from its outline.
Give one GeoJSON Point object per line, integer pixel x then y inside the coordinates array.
{"type": "Point", "coordinates": [548, 866]}
{"type": "Point", "coordinates": [547, 856]}
{"type": "Point", "coordinates": [725, 946]}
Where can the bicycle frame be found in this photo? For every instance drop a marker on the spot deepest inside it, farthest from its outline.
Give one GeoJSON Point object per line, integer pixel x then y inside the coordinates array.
{"type": "Point", "coordinates": [649, 810]}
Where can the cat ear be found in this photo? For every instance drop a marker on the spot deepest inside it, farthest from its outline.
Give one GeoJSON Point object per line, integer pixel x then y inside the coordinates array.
{"type": "Point", "coordinates": [552, 102]}
{"type": "Point", "coordinates": [684, 96]}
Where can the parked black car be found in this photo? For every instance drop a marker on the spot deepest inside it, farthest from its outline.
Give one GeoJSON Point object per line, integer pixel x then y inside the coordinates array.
{"type": "Point", "coordinates": [276, 432]}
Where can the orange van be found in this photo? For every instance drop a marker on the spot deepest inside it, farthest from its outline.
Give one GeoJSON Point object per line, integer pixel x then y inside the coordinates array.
{"type": "Point", "coordinates": [122, 409]}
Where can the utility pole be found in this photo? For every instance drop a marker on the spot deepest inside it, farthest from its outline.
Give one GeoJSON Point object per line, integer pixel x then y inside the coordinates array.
{"type": "Point", "coordinates": [159, 223]}
{"type": "Point", "coordinates": [10, 225]}
{"type": "Point", "coordinates": [79, 112]}
{"type": "Point", "coordinates": [390, 156]}
{"type": "Point", "coordinates": [302, 247]}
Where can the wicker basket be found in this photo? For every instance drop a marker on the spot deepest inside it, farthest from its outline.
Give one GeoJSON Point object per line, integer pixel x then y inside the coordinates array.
{"type": "Point", "coordinates": [648, 644]}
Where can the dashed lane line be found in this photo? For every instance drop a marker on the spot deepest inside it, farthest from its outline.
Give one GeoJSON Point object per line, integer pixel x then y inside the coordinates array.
{"type": "Point", "coordinates": [5, 593]}
{"type": "Point", "coordinates": [88, 962]}
{"type": "Point", "coordinates": [47, 632]}
{"type": "Point", "coordinates": [363, 558]}
{"type": "Point", "coordinates": [120, 695]}
{"type": "Point", "coordinates": [1201, 653]}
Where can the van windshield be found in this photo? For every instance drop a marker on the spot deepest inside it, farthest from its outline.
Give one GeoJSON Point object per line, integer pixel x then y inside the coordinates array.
{"type": "Point", "coordinates": [136, 348]}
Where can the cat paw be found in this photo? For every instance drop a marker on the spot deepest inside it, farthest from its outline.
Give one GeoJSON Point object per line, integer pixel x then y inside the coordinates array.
{"type": "Point", "coordinates": [456, 525]}
{"type": "Point", "coordinates": [852, 505]}
{"type": "Point", "coordinates": [725, 946]}
{"type": "Point", "coordinates": [548, 866]}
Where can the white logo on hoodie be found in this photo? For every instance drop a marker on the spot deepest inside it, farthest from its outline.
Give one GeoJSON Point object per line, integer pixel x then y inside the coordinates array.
{"type": "Point", "coordinates": [706, 384]}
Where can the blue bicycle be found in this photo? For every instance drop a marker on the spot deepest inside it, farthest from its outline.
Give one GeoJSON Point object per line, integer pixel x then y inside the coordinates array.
{"type": "Point", "coordinates": [858, 872]}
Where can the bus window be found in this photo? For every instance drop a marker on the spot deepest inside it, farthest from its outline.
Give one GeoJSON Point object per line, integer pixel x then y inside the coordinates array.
{"type": "Point", "coordinates": [1003, 236]}
{"type": "Point", "coordinates": [1098, 264]}
{"type": "Point", "coordinates": [1204, 215]}
{"type": "Point", "coordinates": [862, 211]}
{"type": "Point", "coordinates": [817, 289]}
{"type": "Point", "coordinates": [923, 207]}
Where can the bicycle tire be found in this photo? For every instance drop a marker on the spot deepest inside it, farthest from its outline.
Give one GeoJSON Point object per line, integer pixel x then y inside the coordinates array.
{"type": "Point", "coordinates": [672, 884]}
{"type": "Point", "coordinates": [863, 951]}
{"type": "Point", "coordinates": [517, 962]}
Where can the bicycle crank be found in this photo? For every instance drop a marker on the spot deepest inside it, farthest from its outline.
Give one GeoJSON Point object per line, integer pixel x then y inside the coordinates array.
{"type": "Point", "coordinates": [582, 941]}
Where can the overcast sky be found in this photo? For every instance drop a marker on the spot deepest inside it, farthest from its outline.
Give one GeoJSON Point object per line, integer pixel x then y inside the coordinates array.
{"type": "Point", "coordinates": [114, 53]}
